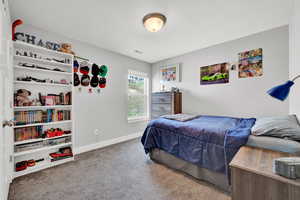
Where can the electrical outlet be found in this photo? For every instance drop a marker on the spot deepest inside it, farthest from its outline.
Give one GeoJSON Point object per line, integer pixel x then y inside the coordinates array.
{"type": "Point", "coordinates": [96, 132]}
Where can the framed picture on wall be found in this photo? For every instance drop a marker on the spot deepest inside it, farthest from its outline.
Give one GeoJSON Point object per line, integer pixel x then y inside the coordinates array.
{"type": "Point", "coordinates": [251, 63]}
{"type": "Point", "coordinates": [214, 74]}
{"type": "Point", "coordinates": [170, 73]}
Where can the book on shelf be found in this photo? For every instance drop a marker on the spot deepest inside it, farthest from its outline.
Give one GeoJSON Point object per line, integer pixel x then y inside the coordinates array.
{"type": "Point", "coordinates": [28, 133]}
{"type": "Point", "coordinates": [41, 116]}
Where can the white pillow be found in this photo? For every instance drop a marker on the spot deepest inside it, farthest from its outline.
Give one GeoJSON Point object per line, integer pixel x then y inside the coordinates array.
{"type": "Point", "coordinates": [284, 127]}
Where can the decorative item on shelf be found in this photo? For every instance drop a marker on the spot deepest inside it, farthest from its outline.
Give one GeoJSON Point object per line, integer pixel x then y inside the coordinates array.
{"type": "Point", "coordinates": [22, 98]}
{"type": "Point", "coordinates": [20, 166]}
{"type": "Point", "coordinates": [288, 167]}
{"type": "Point", "coordinates": [62, 153]}
{"type": "Point", "coordinates": [250, 63]}
{"type": "Point", "coordinates": [214, 74]}
{"type": "Point", "coordinates": [281, 92]}
{"type": "Point", "coordinates": [170, 73]}
{"type": "Point", "coordinates": [14, 26]}
{"type": "Point", "coordinates": [66, 48]}
{"type": "Point", "coordinates": [37, 80]}
{"type": "Point", "coordinates": [27, 65]}
{"type": "Point", "coordinates": [38, 56]}
{"type": "Point", "coordinates": [50, 133]}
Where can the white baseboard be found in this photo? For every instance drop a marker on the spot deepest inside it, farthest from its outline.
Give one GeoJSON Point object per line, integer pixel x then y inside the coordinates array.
{"type": "Point", "coordinates": [106, 143]}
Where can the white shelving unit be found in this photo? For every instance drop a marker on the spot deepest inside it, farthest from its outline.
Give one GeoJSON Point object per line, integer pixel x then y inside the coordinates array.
{"type": "Point", "coordinates": [47, 69]}
{"type": "Point", "coordinates": [44, 124]}
{"type": "Point", "coordinates": [41, 70]}
{"type": "Point", "coordinates": [41, 107]}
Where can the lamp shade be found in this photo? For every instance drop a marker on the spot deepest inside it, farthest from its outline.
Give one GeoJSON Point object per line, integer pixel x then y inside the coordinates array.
{"type": "Point", "coordinates": [281, 92]}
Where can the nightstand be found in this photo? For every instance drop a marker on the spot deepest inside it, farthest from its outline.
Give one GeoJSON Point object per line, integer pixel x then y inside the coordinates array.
{"type": "Point", "coordinates": [252, 177]}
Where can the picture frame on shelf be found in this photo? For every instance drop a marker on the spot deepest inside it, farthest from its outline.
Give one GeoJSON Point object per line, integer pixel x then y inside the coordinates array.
{"type": "Point", "coordinates": [170, 73]}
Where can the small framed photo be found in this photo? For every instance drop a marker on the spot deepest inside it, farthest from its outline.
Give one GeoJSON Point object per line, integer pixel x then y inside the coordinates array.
{"type": "Point", "coordinates": [170, 73]}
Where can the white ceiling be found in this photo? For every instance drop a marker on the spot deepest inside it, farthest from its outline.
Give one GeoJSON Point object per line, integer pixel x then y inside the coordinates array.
{"type": "Point", "coordinates": [116, 25]}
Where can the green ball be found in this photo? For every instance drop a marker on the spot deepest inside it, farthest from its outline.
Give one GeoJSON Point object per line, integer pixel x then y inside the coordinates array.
{"type": "Point", "coordinates": [103, 70]}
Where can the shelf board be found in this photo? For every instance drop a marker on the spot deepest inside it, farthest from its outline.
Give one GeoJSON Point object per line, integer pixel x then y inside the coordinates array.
{"type": "Point", "coordinates": [40, 139]}
{"type": "Point", "coordinates": [40, 166]}
{"type": "Point", "coordinates": [41, 61]}
{"type": "Point", "coordinates": [43, 84]}
{"type": "Point", "coordinates": [41, 107]}
{"type": "Point", "coordinates": [43, 124]}
{"type": "Point", "coordinates": [41, 149]}
{"type": "Point", "coordinates": [22, 44]}
{"type": "Point", "coordinates": [43, 70]}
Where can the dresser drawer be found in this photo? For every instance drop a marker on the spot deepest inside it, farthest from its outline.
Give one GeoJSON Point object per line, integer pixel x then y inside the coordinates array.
{"type": "Point", "coordinates": [162, 98]}
{"type": "Point", "coordinates": [161, 107]}
{"type": "Point", "coordinates": [158, 114]}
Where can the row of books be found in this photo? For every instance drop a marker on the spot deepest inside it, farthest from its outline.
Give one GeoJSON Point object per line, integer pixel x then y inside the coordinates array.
{"type": "Point", "coordinates": [54, 99]}
{"type": "Point", "coordinates": [28, 133]}
{"type": "Point", "coordinates": [41, 116]}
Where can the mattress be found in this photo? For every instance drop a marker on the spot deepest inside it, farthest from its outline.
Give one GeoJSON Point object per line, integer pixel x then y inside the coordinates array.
{"type": "Point", "coordinates": [275, 144]}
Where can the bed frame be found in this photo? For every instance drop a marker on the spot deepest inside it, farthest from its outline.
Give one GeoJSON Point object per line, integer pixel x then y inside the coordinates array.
{"type": "Point", "coordinates": [217, 179]}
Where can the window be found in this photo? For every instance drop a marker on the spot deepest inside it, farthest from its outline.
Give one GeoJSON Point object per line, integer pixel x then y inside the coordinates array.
{"type": "Point", "coordinates": [138, 96]}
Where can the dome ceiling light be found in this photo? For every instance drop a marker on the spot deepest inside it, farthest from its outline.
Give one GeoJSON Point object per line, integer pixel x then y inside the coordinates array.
{"type": "Point", "coordinates": [153, 22]}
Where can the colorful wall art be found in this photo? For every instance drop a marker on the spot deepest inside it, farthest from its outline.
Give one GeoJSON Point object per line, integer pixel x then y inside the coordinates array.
{"type": "Point", "coordinates": [250, 63]}
{"type": "Point", "coordinates": [214, 74]}
{"type": "Point", "coordinates": [170, 73]}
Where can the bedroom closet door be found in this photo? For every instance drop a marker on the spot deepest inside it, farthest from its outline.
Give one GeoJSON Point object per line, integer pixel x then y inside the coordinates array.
{"type": "Point", "coordinates": [2, 171]}
{"type": "Point", "coordinates": [6, 101]}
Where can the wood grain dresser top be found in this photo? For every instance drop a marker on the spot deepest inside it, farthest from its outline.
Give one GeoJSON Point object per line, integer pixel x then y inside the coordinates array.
{"type": "Point", "coordinates": [260, 161]}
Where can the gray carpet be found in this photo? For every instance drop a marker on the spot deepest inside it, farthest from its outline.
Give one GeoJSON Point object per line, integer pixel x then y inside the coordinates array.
{"type": "Point", "coordinates": [118, 172]}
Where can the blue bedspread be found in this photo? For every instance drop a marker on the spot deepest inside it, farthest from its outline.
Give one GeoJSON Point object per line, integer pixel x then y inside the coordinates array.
{"type": "Point", "coordinates": [207, 141]}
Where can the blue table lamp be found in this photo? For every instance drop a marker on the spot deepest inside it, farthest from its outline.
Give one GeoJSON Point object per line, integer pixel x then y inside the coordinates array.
{"type": "Point", "coordinates": [281, 92]}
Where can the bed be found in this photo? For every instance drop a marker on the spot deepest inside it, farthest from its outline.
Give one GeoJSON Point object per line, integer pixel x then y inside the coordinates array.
{"type": "Point", "coordinates": [204, 146]}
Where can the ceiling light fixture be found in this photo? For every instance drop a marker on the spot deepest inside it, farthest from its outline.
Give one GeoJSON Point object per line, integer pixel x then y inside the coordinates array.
{"type": "Point", "coordinates": [153, 22]}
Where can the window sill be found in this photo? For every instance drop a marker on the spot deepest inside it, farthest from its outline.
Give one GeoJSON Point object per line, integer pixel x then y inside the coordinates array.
{"type": "Point", "coordinates": [136, 120]}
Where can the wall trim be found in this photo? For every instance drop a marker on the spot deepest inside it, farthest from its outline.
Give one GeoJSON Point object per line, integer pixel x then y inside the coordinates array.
{"type": "Point", "coordinates": [106, 143]}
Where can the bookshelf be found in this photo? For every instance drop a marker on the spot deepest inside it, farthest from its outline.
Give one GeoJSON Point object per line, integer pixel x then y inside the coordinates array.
{"type": "Point", "coordinates": [45, 125]}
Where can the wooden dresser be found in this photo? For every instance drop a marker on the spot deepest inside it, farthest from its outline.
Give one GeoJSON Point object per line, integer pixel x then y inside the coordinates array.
{"type": "Point", "coordinates": [253, 179]}
{"type": "Point", "coordinates": [165, 103]}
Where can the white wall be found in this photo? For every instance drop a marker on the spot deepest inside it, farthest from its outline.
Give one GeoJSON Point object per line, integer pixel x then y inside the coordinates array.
{"type": "Point", "coordinates": [241, 97]}
{"type": "Point", "coordinates": [107, 111]}
{"type": "Point", "coordinates": [294, 58]}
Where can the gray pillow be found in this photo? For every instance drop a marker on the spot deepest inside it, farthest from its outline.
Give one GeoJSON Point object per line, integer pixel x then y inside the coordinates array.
{"type": "Point", "coordinates": [283, 127]}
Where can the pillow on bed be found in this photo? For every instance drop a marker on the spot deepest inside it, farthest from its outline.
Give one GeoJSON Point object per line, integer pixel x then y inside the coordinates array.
{"type": "Point", "coordinates": [284, 127]}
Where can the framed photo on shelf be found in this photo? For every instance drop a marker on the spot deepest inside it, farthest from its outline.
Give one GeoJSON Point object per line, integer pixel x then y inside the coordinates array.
{"type": "Point", "coordinates": [170, 73]}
